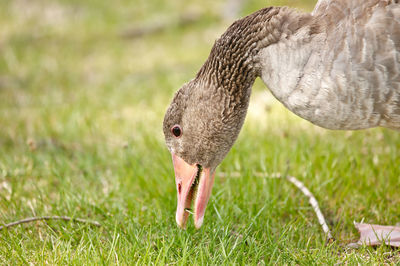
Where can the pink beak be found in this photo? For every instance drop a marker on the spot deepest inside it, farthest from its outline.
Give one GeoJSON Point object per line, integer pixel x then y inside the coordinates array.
{"type": "Point", "coordinates": [192, 183]}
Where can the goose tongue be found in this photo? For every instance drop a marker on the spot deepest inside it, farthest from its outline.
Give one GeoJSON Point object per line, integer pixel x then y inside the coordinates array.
{"type": "Point", "coordinates": [192, 183]}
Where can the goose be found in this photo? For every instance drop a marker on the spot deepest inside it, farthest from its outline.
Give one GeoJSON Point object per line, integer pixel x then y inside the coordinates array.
{"type": "Point", "coordinates": [337, 67]}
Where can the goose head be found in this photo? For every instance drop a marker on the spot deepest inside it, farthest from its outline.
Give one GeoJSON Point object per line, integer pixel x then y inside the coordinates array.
{"type": "Point", "coordinates": [199, 129]}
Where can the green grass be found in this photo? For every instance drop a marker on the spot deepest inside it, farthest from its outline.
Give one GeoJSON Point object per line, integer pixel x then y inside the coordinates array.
{"type": "Point", "coordinates": [81, 114]}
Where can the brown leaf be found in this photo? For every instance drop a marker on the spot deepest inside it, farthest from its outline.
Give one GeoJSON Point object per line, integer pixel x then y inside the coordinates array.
{"type": "Point", "coordinates": [373, 235]}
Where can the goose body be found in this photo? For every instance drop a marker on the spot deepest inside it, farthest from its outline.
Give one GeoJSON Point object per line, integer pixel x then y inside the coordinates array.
{"type": "Point", "coordinates": [338, 67]}
{"type": "Point", "coordinates": [345, 76]}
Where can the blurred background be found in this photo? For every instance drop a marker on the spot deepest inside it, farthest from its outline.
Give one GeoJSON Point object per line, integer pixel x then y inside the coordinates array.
{"type": "Point", "coordinates": [83, 89]}
{"type": "Point", "coordinates": [65, 64]}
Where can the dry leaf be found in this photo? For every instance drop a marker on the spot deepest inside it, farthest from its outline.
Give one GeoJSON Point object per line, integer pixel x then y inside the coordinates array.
{"type": "Point", "coordinates": [373, 235]}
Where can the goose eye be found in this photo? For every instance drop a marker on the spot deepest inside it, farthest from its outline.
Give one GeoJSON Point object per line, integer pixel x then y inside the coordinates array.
{"type": "Point", "coordinates": [176, 131]}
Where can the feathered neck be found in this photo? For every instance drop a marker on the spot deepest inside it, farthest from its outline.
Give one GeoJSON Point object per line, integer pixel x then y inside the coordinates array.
{"type": "Point", "coordinates": [233, 63]}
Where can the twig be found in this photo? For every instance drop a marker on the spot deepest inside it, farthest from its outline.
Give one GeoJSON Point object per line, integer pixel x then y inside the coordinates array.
{"type": "Point", "coordinates": [314, 204]}
{"type": "Point", "coordinates": [311, 199]}
{"type": "Point", "coordinates": [46, 218]}
{"type": "Point", "coordinates": [304, 189]}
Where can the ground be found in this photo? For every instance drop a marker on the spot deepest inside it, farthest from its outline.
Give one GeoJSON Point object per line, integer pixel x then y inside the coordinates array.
{"type": "Point", "coordinates": [82, 102]}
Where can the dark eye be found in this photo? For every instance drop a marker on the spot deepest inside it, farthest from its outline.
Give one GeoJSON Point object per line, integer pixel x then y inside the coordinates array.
{"type": "Point", "coordinates": [176, 131]}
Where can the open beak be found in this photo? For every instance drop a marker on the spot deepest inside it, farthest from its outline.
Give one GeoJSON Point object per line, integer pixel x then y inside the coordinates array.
{"type": "Point", "coordinates": [193, 183]}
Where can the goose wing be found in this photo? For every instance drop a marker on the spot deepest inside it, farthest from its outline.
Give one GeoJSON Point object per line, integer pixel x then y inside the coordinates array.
{"type": "Point", "coordinates": [363, 51]}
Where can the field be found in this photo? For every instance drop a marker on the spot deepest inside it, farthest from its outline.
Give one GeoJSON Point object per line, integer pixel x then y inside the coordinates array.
{"type": "Point", "coordinates": [83, 95]}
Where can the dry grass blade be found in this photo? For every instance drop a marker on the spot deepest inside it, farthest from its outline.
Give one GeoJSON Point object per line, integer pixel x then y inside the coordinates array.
{"type": "Point", "coordinates": [312, 200]}
{"type": "Point", "coordinates": [314, 203]}
{"type": "Point", "coordinates": [47, 218]}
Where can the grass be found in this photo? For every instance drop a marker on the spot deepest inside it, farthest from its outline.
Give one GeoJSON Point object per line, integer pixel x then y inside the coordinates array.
{"type": "Point", "coordinates": [80, 135]}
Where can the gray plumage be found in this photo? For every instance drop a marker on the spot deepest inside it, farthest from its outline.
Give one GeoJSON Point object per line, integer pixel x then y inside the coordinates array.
{"type": "Point", "coordinates": [347, 75]}
{"type": "Point", "coordinates": [338, 67]}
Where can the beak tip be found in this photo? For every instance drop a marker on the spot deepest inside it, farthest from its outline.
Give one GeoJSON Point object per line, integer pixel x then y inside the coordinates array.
{"type": "Point", "coordinates": [181, 222]}
{"type": "Point", "coordinates": [181, 226]}
{"type": "Point", "coordinates": [199, 222]}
